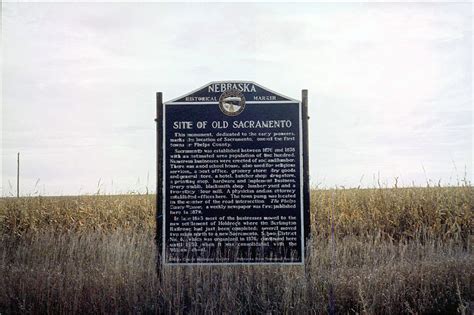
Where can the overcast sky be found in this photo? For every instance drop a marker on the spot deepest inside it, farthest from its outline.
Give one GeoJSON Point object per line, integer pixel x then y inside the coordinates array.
{"type": "Point", "coordinates": [390, 86]}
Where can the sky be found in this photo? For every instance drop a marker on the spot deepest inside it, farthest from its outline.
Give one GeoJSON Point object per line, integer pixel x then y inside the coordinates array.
{"type": "Point", "coordinates": [390, 87]}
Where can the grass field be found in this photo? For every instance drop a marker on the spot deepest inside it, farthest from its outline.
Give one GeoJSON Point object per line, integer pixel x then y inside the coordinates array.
{"type": "Point", "coordinates": [400, 250]}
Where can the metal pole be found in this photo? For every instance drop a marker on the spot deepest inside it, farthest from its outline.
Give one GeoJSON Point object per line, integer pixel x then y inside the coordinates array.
{"type": "Point", "coordinates": [159, 176]}
{"type": "Point", "coordinates": [18, 175]}
{"type": "Point", "coordinates": [306, 192]}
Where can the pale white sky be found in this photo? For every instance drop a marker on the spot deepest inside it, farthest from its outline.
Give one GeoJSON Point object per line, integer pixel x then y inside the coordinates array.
{"type": "Point", "coordinates": [390, 86]}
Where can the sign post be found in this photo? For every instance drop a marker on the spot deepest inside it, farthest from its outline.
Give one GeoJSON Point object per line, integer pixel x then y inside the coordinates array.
{"type": "Point", "coordinates": [232, 176]}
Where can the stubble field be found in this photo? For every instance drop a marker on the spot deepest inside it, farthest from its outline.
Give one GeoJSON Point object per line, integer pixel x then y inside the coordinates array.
{"type": "Point", "coordinates": [376, 251]}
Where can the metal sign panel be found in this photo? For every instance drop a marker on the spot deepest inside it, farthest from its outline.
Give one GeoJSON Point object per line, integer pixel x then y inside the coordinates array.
{"type": "Point", "coordinates": [232, 180]}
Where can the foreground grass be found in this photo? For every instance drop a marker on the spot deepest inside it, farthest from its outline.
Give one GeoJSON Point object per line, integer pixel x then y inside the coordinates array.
{"type": "Point", "coordinates": [394, 251]}
{"type": "Point", "coordinates": [115, 272]}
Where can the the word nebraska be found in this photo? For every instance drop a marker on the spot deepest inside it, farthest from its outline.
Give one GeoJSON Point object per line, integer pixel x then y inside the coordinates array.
{"type": "Point", "coordinates": [222, 87]}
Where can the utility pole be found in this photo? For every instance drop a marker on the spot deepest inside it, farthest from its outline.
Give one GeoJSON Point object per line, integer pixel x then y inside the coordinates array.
{"type": "Point", "coordinates": [18, 175]}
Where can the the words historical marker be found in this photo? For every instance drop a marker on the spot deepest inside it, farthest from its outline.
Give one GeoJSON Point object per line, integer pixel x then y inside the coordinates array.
{"type": "Point", "coordinates": [232, 176]}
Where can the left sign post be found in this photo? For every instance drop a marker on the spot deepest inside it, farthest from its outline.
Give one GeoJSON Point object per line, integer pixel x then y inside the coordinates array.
{"type": "Point", "coordinates": [159, 175]}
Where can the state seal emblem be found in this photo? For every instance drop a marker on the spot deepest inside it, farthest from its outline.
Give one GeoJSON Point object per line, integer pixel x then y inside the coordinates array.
{"type": "Point", "coordinates": [232, 102]}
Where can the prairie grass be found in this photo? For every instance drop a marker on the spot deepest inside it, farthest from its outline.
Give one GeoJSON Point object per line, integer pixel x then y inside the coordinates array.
{"type": "Point", "coordinates": [76, 213]}
{"type": "Point", "coordinates": [396, 213]}
{"type": "Point", "coordinates": [401, 250]}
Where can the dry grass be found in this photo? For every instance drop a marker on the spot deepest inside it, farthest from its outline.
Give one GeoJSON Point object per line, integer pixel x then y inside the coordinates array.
{"type": "Point", "coordinates": [397, 213]}
{"type": "Point", "coordinates": [76, 214]}
{"type": "Point", "coordinates": [395, 251]}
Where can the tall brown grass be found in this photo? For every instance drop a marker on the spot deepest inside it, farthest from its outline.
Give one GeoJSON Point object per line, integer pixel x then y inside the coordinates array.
{"type": "Point", "coordinates": [396, 213]}
{"type": "Point", "coordinates": [76, 214]}
{"type": "Point", "coordinates": [403, 250]}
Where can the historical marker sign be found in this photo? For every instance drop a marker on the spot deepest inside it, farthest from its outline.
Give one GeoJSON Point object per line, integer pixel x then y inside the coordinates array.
{"type": "Point", "coordinates": [233, 188]}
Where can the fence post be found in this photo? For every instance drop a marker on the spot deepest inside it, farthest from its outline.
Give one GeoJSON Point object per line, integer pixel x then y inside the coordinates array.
{"type": "Point", "coordinates": [18, 175]}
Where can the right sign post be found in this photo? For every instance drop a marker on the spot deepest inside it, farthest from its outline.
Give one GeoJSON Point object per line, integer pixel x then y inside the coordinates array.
{"type": "Point", "coordinates": [234, 168]}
